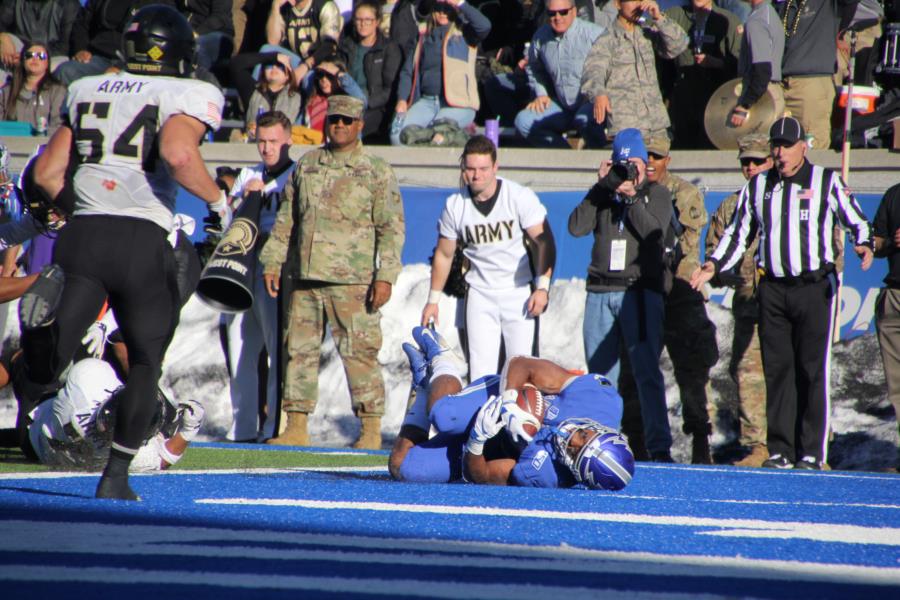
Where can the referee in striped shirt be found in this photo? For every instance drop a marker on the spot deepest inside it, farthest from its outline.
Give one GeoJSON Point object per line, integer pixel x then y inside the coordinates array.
{"type": "Point", "coordinates": [793, 207]}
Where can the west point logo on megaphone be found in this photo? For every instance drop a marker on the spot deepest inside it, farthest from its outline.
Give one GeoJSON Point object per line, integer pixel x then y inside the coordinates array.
{"type": "Point", "coordinates": [227, 281]}
{"type": "Point", "coordinates": [239, 239]}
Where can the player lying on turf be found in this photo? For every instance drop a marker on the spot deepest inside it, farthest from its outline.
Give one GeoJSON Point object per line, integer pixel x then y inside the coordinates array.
{"type": "Point", "coordinates": [73, 430]}
{"type": "Point", "coordinates": [484, 436]}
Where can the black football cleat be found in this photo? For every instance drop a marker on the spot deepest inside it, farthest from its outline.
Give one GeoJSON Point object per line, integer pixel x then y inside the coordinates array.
{"type": "Point", "coordinates": [115, 488]}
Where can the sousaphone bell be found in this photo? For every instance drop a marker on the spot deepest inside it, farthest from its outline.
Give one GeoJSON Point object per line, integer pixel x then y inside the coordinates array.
{"type": "Point", "coordinates": [717, 118]}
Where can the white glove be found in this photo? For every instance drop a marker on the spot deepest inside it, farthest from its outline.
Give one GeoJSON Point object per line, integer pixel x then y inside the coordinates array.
{"type": "Point", "coordinates": [487, 425]}
{"type": "Point", "coordinates": [190, 418]}
{"type": "Point", "coordinates": [514, 419]}
{"type": "Point", "coordinates": [94, 340]}
{"type": "Point", "coordinates": [219, 215]}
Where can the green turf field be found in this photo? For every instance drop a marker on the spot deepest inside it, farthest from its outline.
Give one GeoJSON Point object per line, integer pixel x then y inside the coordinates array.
{"type": "Point", "coordinates": [12, 460]}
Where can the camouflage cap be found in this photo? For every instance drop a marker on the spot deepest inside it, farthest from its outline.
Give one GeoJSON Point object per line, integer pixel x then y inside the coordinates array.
{"type": "Point", "coordinates": [753, 145]}
{"type": "Point", "coordinates": [658, 145]}
{"type": "Point", "coordinates": [348, 106]}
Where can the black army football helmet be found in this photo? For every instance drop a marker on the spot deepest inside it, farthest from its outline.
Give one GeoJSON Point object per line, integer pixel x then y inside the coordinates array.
{"type": "Point", "coordinates": [158, 40]}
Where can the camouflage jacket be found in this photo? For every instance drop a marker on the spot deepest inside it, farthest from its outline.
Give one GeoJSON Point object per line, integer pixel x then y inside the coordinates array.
{"type": "Point", "coordinates": [622, 65]}
{"type": "Point", "coordinates": [691, 212]}
{"type": "Point", "coordinates": [747, 265]}
{"type": "Point", "coordinates": [342, 215]}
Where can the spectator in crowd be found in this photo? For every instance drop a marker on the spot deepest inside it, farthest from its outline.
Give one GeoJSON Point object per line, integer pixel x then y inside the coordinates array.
{"type": "Point", "coordinates": [305, 30]}
{"type": "Point", "coordinates": [709, 61]}
{"type": "Point", "coordinates": [745, 366]}
{"type": "Point", "coordinates": [275, 92]}
{"type": "Point", "coordinates": [34, 96]}
{"type": "Point", "coordinates": [374, 61]}
{"type": "Point", "coordinates": [45, 22]}
{"type": "Point", "coordinates": [887, 307]}
{"type": "Point", "coordinates": [738, 8]}
{"type": "Point", "coordinates": [796, 201]}
{"type": "Point", "coordinates": [689, 335]}
{"type": "Point", "coordinates": [491, 218]}
{"type": "Point", "coordinates": [438, 78]}
{"type": "Point", "coordinates": [329, 78]}
{"type": "Point", "coordinates": [399, 23]}
{"type": "Point", "coordinates": [97, 37]}
{"type": "Point", "coordinates": [867, 22]}
{"type": "Point", "coordinates": [811, 31]}
{"type": "Point", "coordinates": [759, 65]}
{"type": "Point", "coordinates": [628, 217]}
{"type": "Point", "coordinates": [214, 26]}
{"type": "Point", "coordinates": [554, 67]}
{"type": "Point", "coordinates": [620, 70]}
{"type": "Point", "coordinates": [250, 332]}
{"type": "Point", "coordinates": [348, 234]}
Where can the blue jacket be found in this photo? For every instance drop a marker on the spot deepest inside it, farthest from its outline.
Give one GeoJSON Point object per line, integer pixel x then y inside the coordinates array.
{"type": "Point", "coordinates": [555, 63]}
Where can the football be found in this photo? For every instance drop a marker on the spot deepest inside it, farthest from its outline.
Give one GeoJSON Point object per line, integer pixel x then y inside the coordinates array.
{"type": "Point", "coordinates": [531, 401]}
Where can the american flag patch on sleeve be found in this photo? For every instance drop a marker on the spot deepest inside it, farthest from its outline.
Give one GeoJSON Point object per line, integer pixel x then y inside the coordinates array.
{"type": "Point", "coordinates": [212, 111]}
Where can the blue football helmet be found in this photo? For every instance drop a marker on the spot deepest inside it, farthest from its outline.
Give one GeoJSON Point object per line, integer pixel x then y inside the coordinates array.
{"type": "Point", "coordinates": [604, 461]}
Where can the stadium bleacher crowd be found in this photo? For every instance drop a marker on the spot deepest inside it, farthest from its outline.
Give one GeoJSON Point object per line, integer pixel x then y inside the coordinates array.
{"type": "Point", "coordinates": [532, 73]}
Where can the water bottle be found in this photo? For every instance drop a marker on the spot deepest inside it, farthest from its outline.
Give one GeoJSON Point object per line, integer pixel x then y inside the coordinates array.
{"type": "Point", "coordinates": [492, 130]}
{"type": "Point", "coordinates": [397, 126]}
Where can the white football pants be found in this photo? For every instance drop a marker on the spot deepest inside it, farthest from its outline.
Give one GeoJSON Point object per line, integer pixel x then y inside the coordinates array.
{"type": "Point", "coordinates": [490, 315]}
{"type": "Point", "coordinates": [247, 334]}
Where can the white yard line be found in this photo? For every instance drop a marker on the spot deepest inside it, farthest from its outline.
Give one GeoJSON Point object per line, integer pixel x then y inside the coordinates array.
{"type": "Point", "coordinates": [823, 532]}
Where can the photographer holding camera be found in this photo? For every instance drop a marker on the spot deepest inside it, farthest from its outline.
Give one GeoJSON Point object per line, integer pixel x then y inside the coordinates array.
{"type": "Point", "coordinates": [629, 217]}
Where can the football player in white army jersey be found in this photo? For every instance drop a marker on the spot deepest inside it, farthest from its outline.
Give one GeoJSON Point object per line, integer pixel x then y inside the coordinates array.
{"type": "Point", "coordinates": [135, 137]}
{"type": "Point", "coordinates": [491, 218]}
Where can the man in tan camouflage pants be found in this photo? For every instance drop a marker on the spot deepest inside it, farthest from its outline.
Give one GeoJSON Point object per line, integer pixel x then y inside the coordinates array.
{"type": "Point", "coordinates": [746, 360]}
{"type": "Point", "coordinates": [340, 258]}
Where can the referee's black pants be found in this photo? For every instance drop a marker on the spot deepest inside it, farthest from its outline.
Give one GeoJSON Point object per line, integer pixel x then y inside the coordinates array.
{"type": "Point", "coordinates": [130, 262]}
{"type": "Point", "coordinates": [795, 331]}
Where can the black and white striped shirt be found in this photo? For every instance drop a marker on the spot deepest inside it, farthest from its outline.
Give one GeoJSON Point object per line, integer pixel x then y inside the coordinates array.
{"type": "Point", "coordinates": [796, 218]}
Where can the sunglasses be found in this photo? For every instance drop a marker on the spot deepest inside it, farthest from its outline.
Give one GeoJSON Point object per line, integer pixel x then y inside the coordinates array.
{"type": "Point", "coordinates": [558, 13]}
{"type": "Point", "coordinates": [38, 55]}
{"type": "Point", "coordinates": [746, 162]}
{"type": "Point", "coordinates": [275, 65]}
{"type": "Point", "coordinates": [335, 119]}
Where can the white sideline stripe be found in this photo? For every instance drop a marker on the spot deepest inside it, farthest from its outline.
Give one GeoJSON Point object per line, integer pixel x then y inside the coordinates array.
{"type": "Point", "coordinates": [823, 532]}
{"type": "Point", "coordinates": [165, 540]}
{"type": "Point", "coordinates": [250, 471]}
{"type": "Point", "coordinates": [384, 469]}
{"type": "Point", "coordinates": [348, 585]}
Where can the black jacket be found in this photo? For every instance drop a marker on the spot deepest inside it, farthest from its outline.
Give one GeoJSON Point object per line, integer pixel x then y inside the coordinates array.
{"type": "Point", "coordinates": [48, 23]}
{"type": "Point", "coordinates": [382, 65]}
{"type": "Point", "coordinates": [99, 26]}
{"type": "Point", "coordinates": [207, 16]}
{"type": "Point", "coordinates": [644, 225]}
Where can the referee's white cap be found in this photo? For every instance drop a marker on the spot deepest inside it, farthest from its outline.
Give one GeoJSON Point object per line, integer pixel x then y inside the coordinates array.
{"type": "Point", "coordinates": [787, 129]}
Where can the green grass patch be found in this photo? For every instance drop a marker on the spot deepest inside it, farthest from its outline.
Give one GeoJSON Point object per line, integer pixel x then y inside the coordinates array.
{"type": "Point", "coordinates": [13, 461]}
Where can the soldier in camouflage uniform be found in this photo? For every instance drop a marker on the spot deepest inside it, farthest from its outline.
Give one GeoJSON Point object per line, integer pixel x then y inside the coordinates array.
{"type": "Point", "coordinates": [746, 360]}
{"type": "Point", "coordinates": [337, 241]}
{"type": "Point", "coordinates": [689, 335]}
{"type": "Point", "coordinates": [620, 70]}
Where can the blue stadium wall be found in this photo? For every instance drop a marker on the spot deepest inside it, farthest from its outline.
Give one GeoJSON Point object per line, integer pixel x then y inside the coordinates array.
{"type": "Point", "coordinates": [423, 207]}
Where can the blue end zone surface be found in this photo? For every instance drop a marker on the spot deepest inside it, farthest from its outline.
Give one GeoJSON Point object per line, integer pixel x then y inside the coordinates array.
{"type": "Point", "coordinates": [676, 531]}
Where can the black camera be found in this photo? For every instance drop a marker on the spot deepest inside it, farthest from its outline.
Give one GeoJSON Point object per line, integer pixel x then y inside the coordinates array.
{"type": "Point", "coordinates": [621, 171]}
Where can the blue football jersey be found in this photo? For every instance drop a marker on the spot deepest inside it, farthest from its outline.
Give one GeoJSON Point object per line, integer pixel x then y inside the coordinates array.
{"type": "Point", "coordinates": [585, 397]}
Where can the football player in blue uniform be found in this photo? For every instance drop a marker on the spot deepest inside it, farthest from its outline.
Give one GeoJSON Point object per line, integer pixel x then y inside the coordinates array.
{"type": "Point", "coordinates": [481, 435]}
